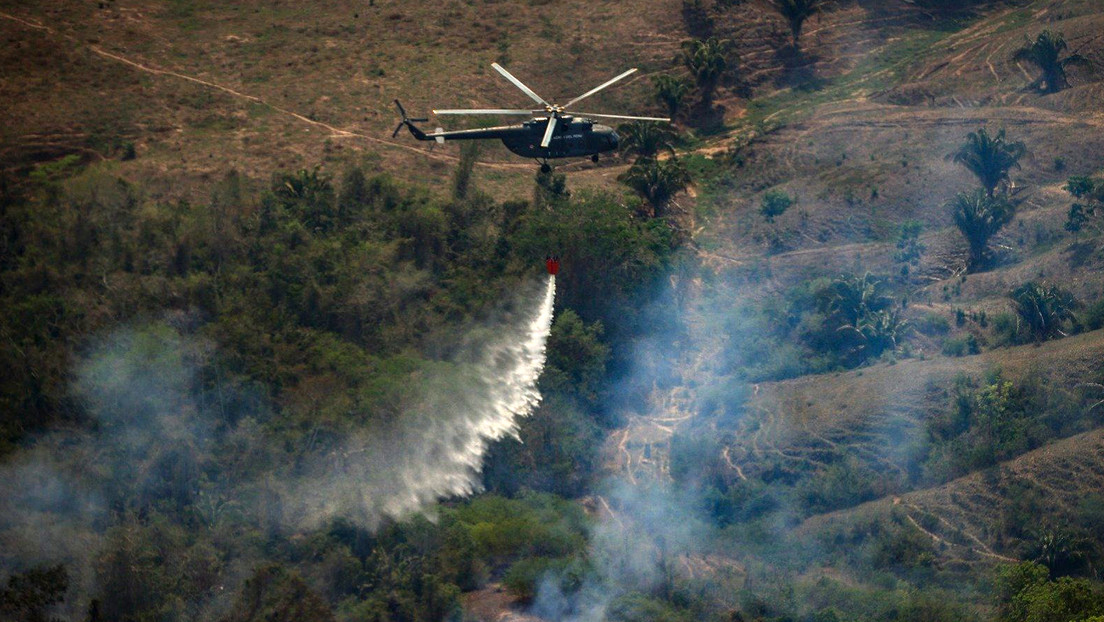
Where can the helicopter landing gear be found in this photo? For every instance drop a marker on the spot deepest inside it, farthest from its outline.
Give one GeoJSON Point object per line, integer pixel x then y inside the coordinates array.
{"type": "Point", "coordinates": [594, 158]}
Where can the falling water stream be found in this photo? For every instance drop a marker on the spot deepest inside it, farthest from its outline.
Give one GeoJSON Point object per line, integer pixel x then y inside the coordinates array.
{"type": "Point", "coordinates": [435, 449]}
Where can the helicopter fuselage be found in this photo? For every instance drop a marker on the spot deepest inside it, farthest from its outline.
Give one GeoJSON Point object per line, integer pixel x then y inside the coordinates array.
{"type": "Point", "coordinates": [573, 137]}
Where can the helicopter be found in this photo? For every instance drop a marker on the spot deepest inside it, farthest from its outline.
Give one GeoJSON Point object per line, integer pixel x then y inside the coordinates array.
{"type": "Point", "coordinates": [556, 134]}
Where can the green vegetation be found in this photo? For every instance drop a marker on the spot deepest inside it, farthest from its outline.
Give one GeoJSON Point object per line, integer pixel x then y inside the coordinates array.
{"type": "Point", "coordinates": [646, 138]}
{"type": "Point", "coordinates": [795, 12]}
{"type": "Point", "coordinates": [909, 247]}
{"type": "Point", "coordinates": [996, 418]}
{"type": "Point", "coordinates": [990, 158]}
{"type": "Point", "coordinates": [961, 346]}
{"type": "Point", "coordinates": [1045, 52]}
{"type": "Point", "coordinates": [1027, 595]}
{"type": "Point", "coordinates": [822, 326]}
{"type": "Point", "coordinates": [774, 204]}
{"type": "Point", "coordinates": [29, 596]}
{"type": "Point", "coordinates": [657, 181]}
{"type": "Point", "coordinates": [317, 304]}
{"type": "Point", "coordinates": [670, 92]}
{"type": "Point", "coordinates": [707, 61]}
{"type": "Point", "coordinates": [979, 217]}
{"type": "Point", "coordinates": [1090, 193]}
{"type": "Point", "coordinates": [325, 303]}
{"type": "Point", "coordinates": [1044, 310]}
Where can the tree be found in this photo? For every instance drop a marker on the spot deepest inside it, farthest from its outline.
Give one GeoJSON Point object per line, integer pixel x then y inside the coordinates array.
{"type": "Point", "coordinates": [657, 181]}
{"type": "Point", "coordinates": [859, 319]}
{"type": "Point", "coordinates": [775, 203]}
{"type": "Point", "coordinates": [310, 196]}
{"type": "Point", "coordinates": [550, 189]}
{"type": "Point", "coordinates": [1091, 194]}
{"type": "Point", "coordinates": [849, 298]}
{"type": "Point", "coordinates": [275, 594]}
{"type": "Point", "coordinates": [909, 247]}
{"type": "Point", "coordinates": [990, 158]}
{"type": "Point", "coordinates": [796, 12]}
{"type": "Point", "coordinates": [670, 91]}
{"type": "Point", "coordinates": [979, 217]}
{"type": "Point", "coordinates": [646, 138]}
{"type": "Point", "coordinates": [29, 596]}
{"type": "Point", "coordinates": [875, 333]}
{"type": "Point", "coordinates": [1043, 309]}
{"type": "Point", "coordinates": [1045, 52]}
{"type": "Point", "coordinates": [577, 358]}
{"type": "Point", "coordinates": [706, 60]}
{"type": "Point", "coordinates": [1060, 550]}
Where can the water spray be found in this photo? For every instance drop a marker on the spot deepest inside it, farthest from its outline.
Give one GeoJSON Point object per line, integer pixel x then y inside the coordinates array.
{"type": "Point", "coordinates": [437, 447]}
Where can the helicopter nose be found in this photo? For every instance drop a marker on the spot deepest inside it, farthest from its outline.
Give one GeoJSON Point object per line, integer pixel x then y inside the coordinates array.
{"type": "Point", "coordinates": [614, 140]}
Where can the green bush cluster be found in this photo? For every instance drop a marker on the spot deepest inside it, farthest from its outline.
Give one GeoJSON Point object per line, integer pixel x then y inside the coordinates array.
{"type": "Point", "coordinates": [822, 325]}
{"type": "Point", "coordinates": [324, 303]}
{"type": "Point", "coordinates": [995, 418]}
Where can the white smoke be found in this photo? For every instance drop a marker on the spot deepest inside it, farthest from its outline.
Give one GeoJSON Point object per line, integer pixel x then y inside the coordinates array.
{"type": "Point", "coordinates": [155, 430]}
{"type": "Point", "coordinates": [435, 450]}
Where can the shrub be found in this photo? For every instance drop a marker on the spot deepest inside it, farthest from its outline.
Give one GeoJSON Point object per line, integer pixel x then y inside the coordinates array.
{"type": "Point", "coordinates": [1093, 316]}
{"type": "Point", "coordinates": [909, 247]}
{"type": "Point", "coordinates": [1090, 195]}
{"type": "Point", "coordinates": [775, 203]}
{"type": "Point", "coordinates": [1005, 329]}
{"type": "Point", "coordinates": [932, 324]}
{"type": "Point", "coordinates": [961, 346]}
{"type": "Point", "coordinates": [1043, 310]}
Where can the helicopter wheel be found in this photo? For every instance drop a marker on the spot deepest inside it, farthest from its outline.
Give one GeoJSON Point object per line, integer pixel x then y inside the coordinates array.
{"type": "Point", "coordinates": [545, 168]}
{"type": "Point", "coordinates": [594, 158]}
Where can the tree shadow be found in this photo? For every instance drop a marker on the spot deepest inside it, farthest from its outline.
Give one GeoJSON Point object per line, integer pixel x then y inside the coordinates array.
{"type": "Point", "coordinates": [799, 69]}
{"type": "Point", "coordinates": [708, 119]}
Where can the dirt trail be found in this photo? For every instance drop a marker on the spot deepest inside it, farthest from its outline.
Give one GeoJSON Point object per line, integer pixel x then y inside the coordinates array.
{"type": "Point", "coordinates": [335, 132]}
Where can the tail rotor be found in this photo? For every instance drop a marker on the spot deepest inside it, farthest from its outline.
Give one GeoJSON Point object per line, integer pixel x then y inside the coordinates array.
{"type": "Point", "coordinates": [405, 121]}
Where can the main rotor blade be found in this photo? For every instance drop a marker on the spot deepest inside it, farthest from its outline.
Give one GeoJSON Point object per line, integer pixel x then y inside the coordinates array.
{"type": "Point", "coordinates": [548, 132]}
{"type": "Point", "coordinates": [485, 111]}
{"type": "Point", "coordinates": [599, 88]}
{"type": "Point", "coordinates": [619, 116]}
{"type": "Point", "coordinates": [518, 83]}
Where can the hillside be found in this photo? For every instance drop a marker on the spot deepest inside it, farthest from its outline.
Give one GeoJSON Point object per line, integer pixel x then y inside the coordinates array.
{"type": "Point", "coordinates": [211, 237]}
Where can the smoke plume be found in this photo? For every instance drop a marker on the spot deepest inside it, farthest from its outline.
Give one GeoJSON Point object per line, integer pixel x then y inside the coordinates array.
{"type": "Point", "coordinates": [159, 438]}
{"type": "Point", "coordinates": [436, 449]}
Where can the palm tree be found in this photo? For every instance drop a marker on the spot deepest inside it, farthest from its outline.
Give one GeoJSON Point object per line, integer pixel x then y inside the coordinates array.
{"type": "Point", "coordinates": [979, 217]}
{"type": "Point", "coordinates": [706, 61]}
{"type": "Point", "coordinates": [657, 181]}
{"type": "Point", "coordinates": [990, 158]}
{"type": "Point", "coordinates": [1043, 309]}
{"type": "Point", "coordinates": [1062, 551]}
{"type": "Point", "coordinates": [646, 139]}
{"type": "Point", "coordinates": [670, 92]}
{"type": "Point", "coordinates": [861, 317]}
{"type": "Point", "coordinates": [1045, 52]}
{"type": "Point", "coordinates": [875, 333]}
{"type": "Point", "coordinates": [309, 195]}
{"type": "Point", "coordinates": [796, 12]}
{"type": "Point", "coordinates": [849, 298]}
